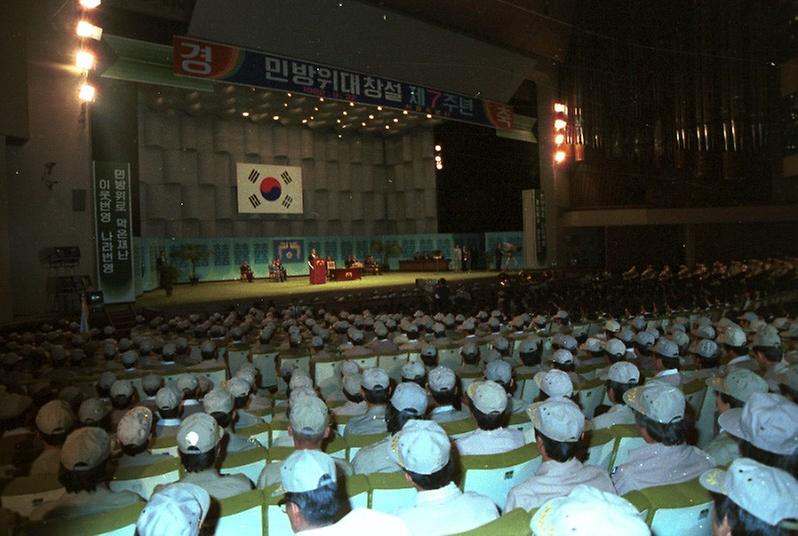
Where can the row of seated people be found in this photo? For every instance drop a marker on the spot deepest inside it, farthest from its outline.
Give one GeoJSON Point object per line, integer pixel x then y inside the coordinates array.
{"type": "Point", "coordinates": [277, 271]}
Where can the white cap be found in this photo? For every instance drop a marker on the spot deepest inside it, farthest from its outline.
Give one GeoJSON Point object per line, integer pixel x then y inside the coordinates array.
{"type": "Point", "coordinates": [499, 371]}
{"type": "Point", "coordinates": [307, 470]}
{"type": "Point", "coordinates": [299, 379]}
{"type": "Point", "coordinates": [657, 400]}
{"type": "Point", "coordinates": [706, 348]}
{"type": "Point", "coordinates": [352, 383]}
{"type": "Point", "coordinates": [623, 372]}
{"type": "Point", "coordinates": [409, 395]}
{"type": "Point", "coordinates": [767, 493]}
{"type": "Point", "coordinates": [167, 398]}
{"type": "Point", "coordinates": [739, 383]}
{"type": "Point", "coordinates": [555, 383]}
{"type": "Point", "coordinates": [666, 348]}
{"type": "Point", "coordinates": [768, 421]}
{"type": "Point", "coordinates": [488, 396]}
{"type": "Point", "coordinates": [558, 419]}
{"type": "Point", "coordinates": [563, 357]}
{"type": "Point", "coordinates": [177, 509]}
{"type": "Point", "coordinates": [309, 415]}
{"type": "Point", "coordinates": [615, 347]}
{"type": "Point", "coordinates": [135, 427]}
{"type": "Point", "coordinates": [644, 338]}
{"type": "Point", "coordinates": [612, 326]}
{"type": "Point", "coordinates": [413, 370]}
{"type": "Point", "coordinates": [374, 378]}
{"type": "Point", "coordinates": [218, 400]}
{"type": "Point", "coordinates": [421, 447]}
{"type": "Point", "coordinates": [442, 379]}
{"type": "Point", "coordinates": [733, 336]}
{"type": "Point", "coordinates": [186, 382]}
{"type": "Point", "coordinates": [588, 511]}
{"type": "Point", "coordinates": [591, 345]}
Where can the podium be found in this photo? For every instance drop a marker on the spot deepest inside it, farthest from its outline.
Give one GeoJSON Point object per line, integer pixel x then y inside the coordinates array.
{"type": "Point", "coordinates": [318, 272]}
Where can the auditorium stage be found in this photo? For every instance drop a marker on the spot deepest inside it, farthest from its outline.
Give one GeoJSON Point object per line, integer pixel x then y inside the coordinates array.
{"type": "Point", "coordinates": [296, 288]}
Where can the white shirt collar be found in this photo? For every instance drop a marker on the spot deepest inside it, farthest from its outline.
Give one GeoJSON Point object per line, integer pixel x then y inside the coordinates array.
{"type": "Point", "coordinates": [667, 372]}
{"type": "Point", "coordinates": [438, 495]}
{"type": "Point", "coordinates": [169, 422]}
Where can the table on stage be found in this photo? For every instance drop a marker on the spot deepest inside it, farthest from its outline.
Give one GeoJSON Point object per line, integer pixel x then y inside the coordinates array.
{"type": "Point", "coordinates": [347, 274]}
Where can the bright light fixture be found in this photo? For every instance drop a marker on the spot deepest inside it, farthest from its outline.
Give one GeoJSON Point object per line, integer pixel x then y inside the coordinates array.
{"type": "Point", "coordinates": [351, 103]}
{"type": "Point", "coordinates": [90, 4]}
{"type": "Point", "coordinates": [84, 60]}
{"type": "Point", "coordinates": [87, 29]}
{"type": "Point", "coordinates": [379, 108]}
{"type": "Point", "coordinates": [429, 116]}
{"type": "Point", "coordinates": [559, 107]}
{"type": "Point", "coordinates": [439, 166]}
{"type": "Point", "coordinates": [438, 148]}
{"type": "Point", "coordinates": [87, 92]}
{"type": "Point", "coordinates": [395, 120]}
{"type": "Point", "coordinates": [404, 112]}
{"type": "Point", "coordinates": [438, 158]}
{"type": "Point", "coordinates": [371, 116]}
{"type": "Point", "coordinates": [276, 117]}
{"type": "Point", "coordinates": [304, 121]}
{"type": "Point", "coordinates": [559, 157]}
{"type": "Point", "coordinates": [245, 114]}
{"type": "Point", "coordinates": [559, 124]}
{"type": "Point", "coordinates": [559, 139]}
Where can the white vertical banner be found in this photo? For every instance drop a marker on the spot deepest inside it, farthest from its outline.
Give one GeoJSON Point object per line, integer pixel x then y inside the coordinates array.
{"type": "Point", "coordinates": [269, 189]}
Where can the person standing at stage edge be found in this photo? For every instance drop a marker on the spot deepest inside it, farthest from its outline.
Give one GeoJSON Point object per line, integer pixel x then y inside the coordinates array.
{"type": "Point", "coordinates": [499, 254]}
{"type": "Point", "coordinates": [457, 258]}
{"type": "Point", "coordinates": [312, 258]}
{"type": "Point", "coordinates": [466, 259]}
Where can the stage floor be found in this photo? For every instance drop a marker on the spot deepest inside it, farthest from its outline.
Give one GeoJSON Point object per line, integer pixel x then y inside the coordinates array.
{"type": "Point", "coordinates": [232, 291]}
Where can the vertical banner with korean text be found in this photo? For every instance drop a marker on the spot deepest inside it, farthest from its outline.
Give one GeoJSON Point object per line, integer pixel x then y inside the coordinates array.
{"type": "Point", "coordinates": [539, 200]}
{"type": "Point", "coordinates": [113, 226]}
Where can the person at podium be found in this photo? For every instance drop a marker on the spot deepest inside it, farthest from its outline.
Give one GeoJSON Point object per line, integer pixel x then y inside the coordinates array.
{"type": "Point", "coordinates": [318, 268]}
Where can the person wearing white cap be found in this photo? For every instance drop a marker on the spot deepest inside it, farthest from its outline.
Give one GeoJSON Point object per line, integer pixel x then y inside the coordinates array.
{"type": "Point", "coordinates": [559, 428]}
{"type": "Point", "coordinates": [706, 355]}
{"type": "Point", "coordinates": [564, 360]}
{"type": "Point", "coordinates": [84, 457]}
{"type": "Point", "coordinates": [587, 511]}
{"type": "Point", "coordinates": [133, 435]}
{"type": "Point", "coordinates": [167, 400]}
{"type": "Point", "coordinates": [187, 384]}
{"type": "Point", "coordinates": [314, 504]}
{"type": "Point", "coordinates": [553, 383]}
{"type": "Point", "coordinates": [666, 361]}
{"type": "Point", "coordinates": [735, 347]}
{"type": "Point", "coordinates": [591, 352]}
{"type": "Point", "coordinates": [489, 405]}
{"type": "Point", "coordinates": [444, 389]}
{"type": "Point", "coordinates": [376, 390]}
{"type": "Point", "coordinates": [620, 377]}
{"type": "Point", "coordinates": [530, 351]}
{"type": "Point", "coordinates": [414, 371]}
{"type": "Point", "coordinates": [767, 427]}
{"type": "Point", "coordinates": [54, 421]}
{"type": "Point", "coordinates": [177, 509]}
{"type": "Point", "coordinates": [198, 445]}
{"type": "Point", "coordinates": [309, 428]}
{"type": "Point", "coordinates": [352, 385]}
{"type": "Point", "coordinates": [501, 372]}
{"type": "Point", "coordinates": [409, 401]}
{"type": "Point", "coordinates": [731, 391]}
{"type": "Point", "coordinates": [766, 346]}
{"type": "Point", "coordinates": [423, 450]}
{"type": "Point", "coordinates": [220, 405]}
{"type": "Point", "coordinates": [752, 498]}
{"type": "Point", "coordinates": [666, 458]}
{"type": "Point", "coordinates": [789, 383]}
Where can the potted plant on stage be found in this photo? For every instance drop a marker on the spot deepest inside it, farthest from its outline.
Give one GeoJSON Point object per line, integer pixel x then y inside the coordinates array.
{"type": "Point", "coordinates": [192, 253]}
{"type": "Point", "coordinates": [387, 250]}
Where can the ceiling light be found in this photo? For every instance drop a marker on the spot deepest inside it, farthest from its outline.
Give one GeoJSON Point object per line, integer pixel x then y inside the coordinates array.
{"type": "Point", "coordinates": [346, 113]}
{"type": "Point", "coordinates": [404, 112]}
{"type": "Point", "coordinates": [559, 156]}
{"type": "Point", "coordinates": [289, 95]}
{"type": "Point", "coordinates": [559, 139]}
{"type": "Point", "coordinates": [439, 166]}
{"type": "Point", "coordinates": [338, 121]}
{"type": "Point", "coordinates": [315, 108]}
{"type": "Point", "coordinates": [429, 116]}
{"type": "Point", "coordinates": [351, 103]}
{"type": "Point", "coordinates": [363, 124]}
{"type": "Point", "coordinates": [245, 114]}
{"type": "Point", "coordinates": [87, 29]}
{"type": "Point", "coordinates": [387, 127]}
{"type": "Point", "coordinates": [312, 118]}
{"type": "Point", "coordinates": [371, 116]}
{"type": "Point", "coordinates": [285, 104]}
{"type": "Point", "coordinates": [559, 107]}
{"type": "Point", "coordinates": [438, 158]}
{"type": "Point", "coordinates": [87, 93]}
{"type": "Point", "coordinates": [276, 117]}
{"type": "Point", "coordinates": [559, 124]}
{"type": "Point", "coordinates": [340, 136]}
{"type": "Point", "coordinates": [304, 121]}
{"type": "Point", "coordinates": [379, 108]}
{"type": "Point", "coordinates": [395, 120]}
{"type": "Point", "coordinates": [90, 4]}
{"type": "Point", "coordinates": [84, 60]}
{"type": "Point", "coordinates": [438, 148]}
{"type": "Point", "coordinates": [321, 99]}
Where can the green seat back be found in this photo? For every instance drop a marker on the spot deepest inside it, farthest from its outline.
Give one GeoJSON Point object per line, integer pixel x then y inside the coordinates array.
{"type": "Point", "coordinates": [601, 447]}
{"type": "Point", "coordinates": [121, 522]}
{"type": "Point", "coordinates": [23, 494]}
{"type": "Point", "coordinates": [142, 480]}
{"type": "Point", "coordinates": [356, 442]}
{"type": "Point", "coordinates": [515, 523]}
{"type": "Point", "coordinates": [494, 474]}
{"type": "Point", "coordinates": [591, 394]}
{"type": "Point", "coordinates": [390, 492]}
{"type": "Point", "coordinates": [249, 463]}
{"type": "Point", "coordinates": [242, 514]}
{"type": "Point", "coordinates": [682, 509]}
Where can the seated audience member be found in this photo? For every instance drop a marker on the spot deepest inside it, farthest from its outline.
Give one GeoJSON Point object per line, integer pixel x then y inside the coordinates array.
{"type": "Point", "coordinates": [666, 361]}
{"type": "Point", "coordinates": [666, 458]}
{"type": "Point", "coordinates": [429, 355]}
{"type": "Point", "coordinates": [591, 352]}
{"type": "Point", "coordinates": [133, 435]}
{"type": "Point", "coordinates": [376, 390]}
{"type": "Point", "coordinates": [316, 504]}
{"type": "Point", "coordinates": [95, 412]}
{"type": "Point", "coordinates": [751, 499]}
{"type": "Point", "coordinates": [121, 399]}
{"type": "Point", "coordinates": [767, 426]}
{"type": "Point", "coordinates": [178, 509]}
{"type": "Point", "coordinates": [104, 383]}
{"type": "Point", "coordinates": [187, 385]}
{"type": "Point", "coordinates": [470, 354]}
{"type": "Point", "coordinates": [150, 385]}
{"type": "Point", "coordinates": [198, 446]}
{"type": "Point", "coordinates": [501, 372]}
{"type": "Point", "coordinates": [443, 386]}
{"type": "Point", "coordinates": [559, 427]}
{"type": "Point", "coordinates": [54, 421]}
{"type": "Point", "coordinates": [768, 353]}
{"type": "Point", "coordinates": [168, 402]}
{"type": "Point", "coordinates": [564, 361]}
{"type": "Point", "coordinates": [220, 405]}
{"type": "Point", "coordinates": [309, 428]}
{"type": "Point", "coordinates": [706, 354]}
{"type": "Point", "coordinates": [621, 377]}
{"type": "Point", "coordinates": [84, 457]}
{"type": "Point", "coordinates": [588, 511]}
{"type": "Point", "coordinates": [415, 372]}
{"type": "Point", "coordinates": [423, 450]}
{"type": "Point", "coordinates": [734, 344]}
{"type": "Point", "coordinates": [355, 403]}
{"type": "Point", "coordinates": [530, 351]}
{"type": "Point", "coordinates": [789, 384]}
{"type": "Point", "coordinates": [489, 405]}
{"type": "Point", "coordinates": [731, 391]}
{"type": "Point", "coordinates": [554, 383]}
{"type": "Point", "coordinates": [409, 401]}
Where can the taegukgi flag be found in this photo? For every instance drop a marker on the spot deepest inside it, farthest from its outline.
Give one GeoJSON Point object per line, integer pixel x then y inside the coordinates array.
{"type": "Point", "coordinates": [268, 189]}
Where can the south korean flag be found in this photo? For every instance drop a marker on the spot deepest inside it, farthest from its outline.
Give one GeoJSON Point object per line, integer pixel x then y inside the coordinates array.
{"type": "Point", "coordinates": [266, 189]}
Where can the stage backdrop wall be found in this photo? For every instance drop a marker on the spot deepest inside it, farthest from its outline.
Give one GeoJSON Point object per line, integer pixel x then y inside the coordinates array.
{"type": "Point", "coordinates": [360, 184]}
{"type": "Point", "coordinates": [227, 253]}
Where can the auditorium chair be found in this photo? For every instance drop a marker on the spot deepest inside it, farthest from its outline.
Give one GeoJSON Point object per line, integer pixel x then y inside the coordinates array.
{"type": "Point", "coordinates": [278, 428]}
{"type": "Point", "coordinates": [520, 421]}
{"type": "Point", "coordinates": [259, 432]}
{"type": "Point", "coordinates": [121, 522]}
{"type": "Point", "coordinates": [450, 357]}
{"type": "Point", "coordinates": [627, 438]}
{"type": "Point", "coordinates": [392, 364]}
{"type": "Point", "coordinates": [325, 370]}
{"type": "Point", "coordinates": [601, 448]}
{"type": "Point", "coordinates": [266, 363]}
{"type": "Point", "coordinates": [705, 423]}
{"type": "Point", "coordinates": [494, 474]}
{"type": "Point", "coordinates": [22, 494]}
{"type": "Point", "coordinates": [527, 389]}
{"type": "Point", "coordinates": [390, 492]}
{"type": "Point", "coordinates": [164, 445]}
{"type": "Point", "coordinates": [297, 361]}
{"type": "Point", "coordinates": [236, 359]}
{"type": "Point", "coordinates": [590, 394]}
{"type": "Point", "coordinates": [694, 392]}
{"type": "Point", "coordinates": [335, 448]}
{"type": "Point", "coordinates": [591, 372]}
{"type": "Point", "coordinates": [458, 429]}
{"type": "Point", "coordinates": [514, 523]}
{"type": "Point", "coordinates": [142, 480]}
{"type": "Point", "coordinates": [365, 361]}
{"type": "Point", "coordinates": [249, 463]}
{"type": "Point", "coordinates": [682, 509]}
{"type": "Point", "coordinates": [356, 442]}
{"type": "Point", "coordinates": [235, 516]}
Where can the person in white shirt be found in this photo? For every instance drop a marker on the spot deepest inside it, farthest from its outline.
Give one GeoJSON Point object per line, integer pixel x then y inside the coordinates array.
{"type": "Point", "coordinates": [314, 504]}
{"type": "Point", "coordinates": [489, 405]}
{"type": "Point", "coordinates": [168, 402]}
{"type": "Point", "coordinates": [621, 377]}
{"type": "Point", "coordinates": [376, 390]}
{"type": "Point", "coordinates": [666, 458]}
{"type": "Point", "coordinates": [767, 352]}
{"type": "Point", "coordinates": [443, 386]}
{"type": "Point", "coordinates": [666, 361]}
{"type": "Point", "coordinates": [735, 346]}
{"type": "Point", "coordinates": [731, 391]}
{"type": "Point", "coordinates": [355, 404]}
{"type": "Point", "coordinates": [559, 427]}
{"type": "Point", "coordinates": [423, 450]}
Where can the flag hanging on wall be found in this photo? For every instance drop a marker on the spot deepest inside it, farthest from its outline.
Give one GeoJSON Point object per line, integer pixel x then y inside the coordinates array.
{"type": "Point", "coordinates": [267, 189]}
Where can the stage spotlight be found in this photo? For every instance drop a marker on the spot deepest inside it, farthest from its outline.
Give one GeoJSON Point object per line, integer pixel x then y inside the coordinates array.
{"type": "Point", "coordinates": [438, 158]}
{"type": "Point", "coordinates": [437, 148]}
{"type": "Point", "coordinates": [84, 60]}
{"type": "Point", "coordinates": [245, 114]}
{"type": "Point", "coordinates": [87, 92]}
{"type": "Point", "coordinates": [559, 139]}
{"type": "Point", "coordinates": [559, 157]}
{"type": "Point", "coordinates": [87, 29]}
{"type": "Point", "coordinates": [371, 116]}
{"type": "Point", "coordinates": [404, 112]}
{"type": "Point", "coordinates": [276, 117]}
{"type": "Point", "coordinates": [559, 107]}
{"type": "Point", "coordinates": [90, 4]}
{"type": "Point", "coordinates": [560, 124]}
{"type": "Point", "coordinates": [429, 116]}
{"type": "Point", "coordinates": [438, 166]}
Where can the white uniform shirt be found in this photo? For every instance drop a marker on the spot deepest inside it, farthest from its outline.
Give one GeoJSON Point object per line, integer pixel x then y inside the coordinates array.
{"type": "Point", "coordinates": [555, 479]}
{"type": "Point", "coordinates": [724, 449]}
{"type": "Point", "coordinates": [490, 441]}
{"type": "Point", "coordinates": [657, 464]}
{"type": "Point", "coordinates": [362, 521]}
{"type": "Point", "coordinates": [671, 376]}
{"type": "Point", "coordinates": [351, 408]}
{"type": "Point", "coordinates": [447, 510]}
{"type": "Point", "coordinates": [372, 422]}
{"type": "Point", "coordinates": [375, 458]}
{"type": "Point", "coordinates": [617, 414]}
{"type": "Point", "coordinates": [448, 414]}
{"type": "Point", "coordinates": [774, 374]}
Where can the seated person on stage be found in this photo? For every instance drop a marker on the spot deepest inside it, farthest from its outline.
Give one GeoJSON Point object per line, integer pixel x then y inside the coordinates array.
{"type": "Point", "coordinates": [278, 270]}
{"type": "Point", "coordinates": [666, 458]}
{"type": "Point", "coordinates": [423, 450]}
{"type": "Point", "coordinates": [559, 427]}
{"type": "Point", "coordinates": [330, 267]}
{"type": "Point", "coordinates": [371, 265]}
{"type": "Point", "coordinates": [246, 271]}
